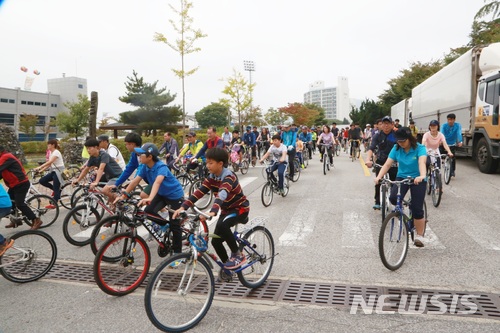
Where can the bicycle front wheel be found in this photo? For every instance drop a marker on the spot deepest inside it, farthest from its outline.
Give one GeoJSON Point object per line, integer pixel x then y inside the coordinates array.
{"type": "Point", "coordinates": [325, 162]}
{"type": "Point", "coordinates": [177, 298]}
{"type": "Point", "coordinates": [33, 255]}
{"type": "Point", "coordinates": [205, 201]}
{"type": "Point", "coordinates": [260, 257]}
{"type": "Point", "coordinates": [437, 189]}
{"type": "Point", "coordinates": [267, 194]}
{"type": "Point", "coordinates": [244, 167]}
{"type": "Point", "coordinates": [447, 170]}
{"type": "Point", "coordinates": [393, 241]}
{"type": "Point", "coordinates": [296, 171]}
{"type": "Point", "coordinates": [104, 230]}
{"type": "Point", "coordinates": [78, 224]}
{"type": "Point", "coordinates": [129, 268]}
{"type": "Point", "coordinates": [38, 204]}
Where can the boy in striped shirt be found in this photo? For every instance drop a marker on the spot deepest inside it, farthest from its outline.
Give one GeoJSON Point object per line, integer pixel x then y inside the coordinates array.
{"type": "Point", "coordinates": [229, 199]}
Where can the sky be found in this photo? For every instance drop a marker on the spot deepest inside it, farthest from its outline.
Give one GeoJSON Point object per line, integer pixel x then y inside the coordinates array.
{"type": "Point", "coordinates": [292, 44]}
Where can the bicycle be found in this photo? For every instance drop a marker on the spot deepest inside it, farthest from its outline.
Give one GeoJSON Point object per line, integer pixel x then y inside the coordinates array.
{"type": "Point", "coordinates": [37, 202]}
{"type": "Point", "coordinates": [271, 185]}
{"type": "Point", "coordinates": [122, 263]}
{"type": "Point", "coordinates": [305, 157]}
{"type": "Point", "coordinates": [337, 149]}
{"type": "Point", "coordinates": [329, 153]}
{"type": "Point", "coordinates": [434, 182]}
{"type": "Point", "coordinates": [178, 299]}
{"type": "Point", "coordinates": [447, 162]}
{"type": "Point", "coordinates": [396, 228]}
{"type": "Point", "coordinates": [296, 169]}
{"type": "Point", "coordinates": [385, 192]}
{"type": "Point", "coordinates": [32, 256]}
{"type": "Point", "coordinates": [355, 150]}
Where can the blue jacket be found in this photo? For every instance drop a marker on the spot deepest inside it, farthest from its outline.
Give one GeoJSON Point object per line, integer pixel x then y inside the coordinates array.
{"type": "Point", "coordinates": [289, 137]}
{"type": "Point", "coordinates": [132, 164]}
{"type": "Point", "coordinates": [249, 139]}
{"type": "Point", "coordinates": [305, 137]}
{"type": "Point", "coordinates": [453, 134]}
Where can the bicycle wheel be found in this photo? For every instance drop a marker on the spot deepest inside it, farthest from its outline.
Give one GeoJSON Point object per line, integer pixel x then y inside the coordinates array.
{"type": "Point", "coordinates": [67, 191]}
{"type": "Point", "coordinates": [437, 189]}
{"type": "Point", "coordinates": [358, 152]}
{"type": "Point", "coordinates": [185, 181]}
{"type": "Point", "coordinates": [393, 241]}
{"type": "Point", "coordinates": [76, 196]}
{"type": "Point", "coordinates": [305, 158]}
{"type": "Point", "coordinates": [38, 204]}
{"type": "Point", "coordinates": [430, 177]}
{"type": "Point", "coordinates": [129, 268]}
{"type": "Point", "coordinates": [325, 162]}
{"type": "Point", "coordinates": [79, 223]}
{"type": "Point", "coordinates": [177, 299]}
{"type": "Point", "coordinates": [260, 257]}
{"type": "Point", "coordinates": [447, 170]}
{"type": "Point", "coordinates": [267, 194]}
{"type": "Point", "coordinates": [383, 201]}
{"type": "Point", "coordinates": [205, 201]}
{"type": "Point", "coordinates": [244, 167]}
{"type": "Point", "coordinates": [32, 256]}
{"type": "Point", "coordinates": [104, 230]}
{"type": "Point", "coordinates": [286, 186]}
{"type": "Point", "coordinates": [296, 171]}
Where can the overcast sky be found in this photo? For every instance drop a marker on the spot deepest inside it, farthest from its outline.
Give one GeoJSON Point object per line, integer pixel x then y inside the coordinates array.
{"type": "Point", "coordinates": [292, 43]}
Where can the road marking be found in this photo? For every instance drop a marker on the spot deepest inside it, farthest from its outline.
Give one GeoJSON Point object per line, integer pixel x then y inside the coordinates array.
{"type": "Point", "coordinates": [356, 231]}
{"type": "Point", "coordinates": [432, 241]}
{"type": "Point", "coordinates": [365, 168]}
{"type": "Point", "coordinates": [246, 180]}
{"type": "Point", "coordinates": [299, 228]}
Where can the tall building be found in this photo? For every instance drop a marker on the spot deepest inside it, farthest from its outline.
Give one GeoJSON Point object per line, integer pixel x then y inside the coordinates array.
{"type": "Point", "coordinates": [16, 102]}
{"type": "Point", "coordinates": [335, 100]}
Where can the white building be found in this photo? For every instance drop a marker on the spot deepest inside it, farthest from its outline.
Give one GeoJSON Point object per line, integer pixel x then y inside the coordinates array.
{"type": "Point", "coordinates": [46, 106]}
{"type": "Point", "coordinates": [335, 100]}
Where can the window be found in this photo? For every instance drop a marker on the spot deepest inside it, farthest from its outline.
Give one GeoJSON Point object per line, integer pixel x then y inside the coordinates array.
{"type": "Point", "coordinates": [44, 104]}
{"type": "Point", "coordinates": [54, 105]}
{"type": "Point", "coordinates": [7, 119]}
{"type": "Point", "coordinates": [490, 93]}
{"type": "Point", "coordinates": [30, 103]}
{"type": "Point", "coordinates": [23, 102]}
{"type": "Point", "coordinates": [40, 121]}
{"type": "Point", "coordinates": [482, 85]}
{"type": "Point", "coordinates": [12, 101]}
{"type": "Point", "coordinates": [37, 103]}
{"type": "Point", "coordinates": [3, 100]}
{"type": "Point", "coordinates": [80, 86]}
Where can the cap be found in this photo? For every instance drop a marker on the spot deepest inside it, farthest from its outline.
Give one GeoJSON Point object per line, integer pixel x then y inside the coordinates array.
{"type": "Point", "coordinates": [403, 133]}
{"type": "Point", "coordinates": [191, 134]}
{"type": "Point", "coordinates": [387, 118]}
{"type": "Point", "coordinates": [148, 148]}
{"type": "Point", "coordinates": [368, 125]}
{"type": "Point", "coordinates": [249, 128]}
{"type": "Point", "coordinates": [102, 138]}
{"type": "Point", "coordinates": [434, 123]}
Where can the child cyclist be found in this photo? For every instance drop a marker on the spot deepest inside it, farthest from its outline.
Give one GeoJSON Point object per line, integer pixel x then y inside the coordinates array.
{"type": "Point", "coordinates": [165, 190]}
{"type": "Point", "coordinates": [229, 199]}
{"type": "Point", "coordinates": [279, 152]}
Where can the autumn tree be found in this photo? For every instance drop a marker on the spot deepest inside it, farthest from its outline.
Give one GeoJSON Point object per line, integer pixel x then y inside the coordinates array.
{"type": "Point", "coordinates": [27, 125]}
{"type": "Point", "coordinates": [300, 114]}
{"type": "Point", "coordinates": [75, 121]}
{"type": "Point", "coordinates": [239, 96]}
{"type": "Point", "coordinates": [320, 119]}
{"type": "Point", "coordinates": [184, 45]}
{"type": "Point", "coordinates": [254, 117]}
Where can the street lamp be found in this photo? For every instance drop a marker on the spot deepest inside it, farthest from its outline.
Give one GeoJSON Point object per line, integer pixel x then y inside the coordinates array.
{"type": "Point", "coordinates": [249, 66]}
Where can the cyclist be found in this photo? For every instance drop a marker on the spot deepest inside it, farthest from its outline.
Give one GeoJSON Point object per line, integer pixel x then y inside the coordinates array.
{"type": "Point", "coordinates": [289, 137]}
{"type": "Point", "coordinates": [414, 129]}
{"type": "Point", "coordinates": [306, 137]}
{"type": "Point", "coordinates": [170, 148]}
{"type": "Point", "coordinates": [257, 142]}
{"type": "Point", "coordinates": [112, 150]}
{"type": "Point", "coordinates": [264, 139]}
{"type": "Point", "coordinates": [354, 135]}
{"type": "Point", "coordinates": [278, 151]}
{"type": "Point", "coordinates": [453, 133]}
{"type": "Point", "coordinates": [382, 144]}
{"type": "Point", "coordinates": [56, 165]}
{"type": "Point", "coordinates": [314, 138]}
{"type": "Point", "coordinates": [434, 139]}
{"type": "Point", "coordinates": [227, 137]}
{"type": "Point", "coordinates": [13, 174]}
{"type": "Point", "coordinates": [5, 209]}
{"type": "Point", "coordinates": [194, 145]}
{"type": "Point", "coordinates": [411, 157]}
{"type": "Point", "coordinates": [165, 190]}
{"type": "Point", "coordinates": [250, 143]}
{"type": "Point", "coordinates": [213, 141]}
{"type": "Point", "coordinates": [367, 136]}
{"type": "Point", "coordinates": [326, 138]}
{"type": "Point", "coordinates": [229, 199]}
{"type": "Point", "coordinates": [336, 132]}
{"type": "Point", "coordinates": [236, 145]}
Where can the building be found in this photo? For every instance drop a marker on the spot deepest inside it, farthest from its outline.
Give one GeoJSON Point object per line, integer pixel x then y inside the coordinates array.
{"type": "Point", "coordinates": [16, 102]}
{"type": "Point", "coordinates": [335, 100]}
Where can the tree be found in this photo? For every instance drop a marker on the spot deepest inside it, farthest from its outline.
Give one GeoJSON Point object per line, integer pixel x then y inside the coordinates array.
{"type": "Point", "coordinates": [254, 117]}
{"type": "Point", "coordinates": [300, 114]}
{"type": "Point", "coordinates": [320, 119]}
{"type": "Point", "coordinates": [75, 121]}
{"type": "Point", "coordinates": [491, 7]}
{"type": "Point", "coordinates": [239, 95]}
{"type": "Point", "coordinates": [27, 125]}
{"type": "Point", "coordinates": [152, 113]}
{"type": "Point", "coordinates": [275, 117]}
{"type": "Point", "coordinates": [214, 114]}
{"type": "Point", "coordinates": [183, 46]}
{"type": "Point", "coordinates": [368, 112]}
{"type": "Point", "coordinates": [48, 127]}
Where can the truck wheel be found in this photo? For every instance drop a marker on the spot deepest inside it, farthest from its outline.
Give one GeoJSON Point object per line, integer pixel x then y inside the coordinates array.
{"type": "Point", "coordinates": [485, 162]}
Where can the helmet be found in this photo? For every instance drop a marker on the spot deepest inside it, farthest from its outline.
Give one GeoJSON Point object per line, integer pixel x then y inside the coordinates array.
{"type": "Point", "coordinates": [368, 125]}
{"type": "Point", "coordinates": [249, 128]}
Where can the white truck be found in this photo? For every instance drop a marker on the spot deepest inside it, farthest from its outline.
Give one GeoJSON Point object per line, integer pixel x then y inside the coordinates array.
{"type": "Point", "coordinates": [469, 87]}
{"type": "Point", "coordinates": [402, 111]}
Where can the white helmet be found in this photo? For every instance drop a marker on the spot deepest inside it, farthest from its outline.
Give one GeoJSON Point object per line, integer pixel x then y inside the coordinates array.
{"type": "Point", "coordinates": [368, 125]}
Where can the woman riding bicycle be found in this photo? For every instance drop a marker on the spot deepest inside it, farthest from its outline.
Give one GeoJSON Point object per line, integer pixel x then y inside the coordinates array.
{"type": "Point", "coordinates": [55, 164]}
{"type": "Point", "coordinates": [433, 139]}
{"type": "Point", "coordinates": [411, 157]}
{"type": "Point", "coordinates": [327, 138]}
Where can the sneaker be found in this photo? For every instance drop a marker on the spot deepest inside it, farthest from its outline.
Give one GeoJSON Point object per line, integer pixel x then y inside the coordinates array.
{"type": "Point", "coordinates": [281, 191]}
{"type": "Point", "coordinates": [51, 206]}
{"type": "Point", "coordinates": [321, 160]}
{"type": "Point", "coordinates": [303, 166]}
{"type": "Point", "coordinates": [235, 261]}
{"type": "Point", "coordinates": [8, 243]}
{"type": "Point", "coordinates": [419, 241]}
{"type": "Point", "coordinates": [376, 206]}
{"type": "Point", "coordinates": [37, 223]}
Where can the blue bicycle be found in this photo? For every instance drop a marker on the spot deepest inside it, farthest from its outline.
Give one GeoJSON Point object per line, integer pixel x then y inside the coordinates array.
{"type": "Point", "coordinates": [397, 227]}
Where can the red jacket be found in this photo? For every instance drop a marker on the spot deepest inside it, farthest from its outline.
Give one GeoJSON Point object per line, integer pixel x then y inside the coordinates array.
{"type": "Point", "coordinates": [11, 170]}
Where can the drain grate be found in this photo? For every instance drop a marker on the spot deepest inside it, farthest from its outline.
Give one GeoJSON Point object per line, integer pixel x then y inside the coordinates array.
{"type": "Point", "coordinates": [386, 299]}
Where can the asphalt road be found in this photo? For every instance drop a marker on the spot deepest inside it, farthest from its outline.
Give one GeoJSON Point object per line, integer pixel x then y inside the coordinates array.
{"type": "Point", "coordinates": [325, 232]}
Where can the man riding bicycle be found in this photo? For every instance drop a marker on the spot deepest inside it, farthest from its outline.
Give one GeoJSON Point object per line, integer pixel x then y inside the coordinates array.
{"type": "Point", "coordinates": [306, 137]}
{"type": "Point", "coordinates": [249, 140]}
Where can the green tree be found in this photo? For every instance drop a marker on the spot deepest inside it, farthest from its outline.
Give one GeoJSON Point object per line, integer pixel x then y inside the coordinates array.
{"type": "Point", "coordinates": [75, 121]}
{"type": "Point", "coordinates": [214, 114]}
{"type": "Point", "coordinates": [275, 117]}
{"type": "Point", "coordinates": [153, 113]}
{"type": "Point", "coordinates": [254, 117]}
{"type": "Point", "coordinates": [320, 119]}
{"type": "Point", "coordinates": [239, 96]}
{"type": "Point", "coordinates": [184, 45]}
{"type": "Point", "coordinates": [490, 7]}
{"type": "Point", "coordinates": [368, 112]}
{"type": "Point", "coordinates": [27, 125]}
